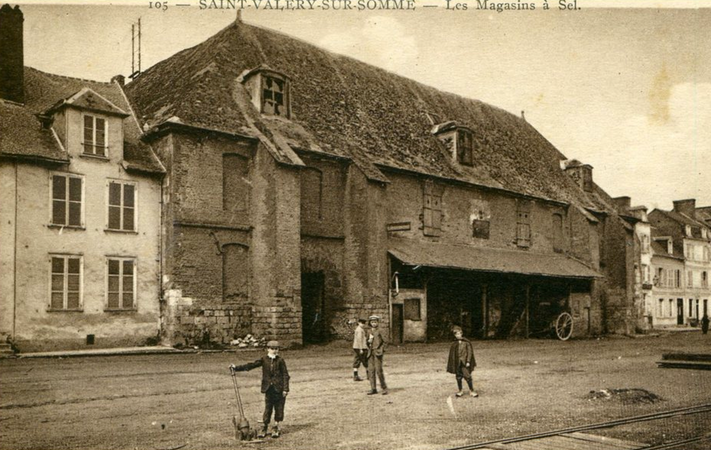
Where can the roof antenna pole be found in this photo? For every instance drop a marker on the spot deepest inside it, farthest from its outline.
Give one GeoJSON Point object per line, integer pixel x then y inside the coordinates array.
{"type": "Point", "coordinates": [135, 33]}
{"type": "Point", "coordinates": [133, 51]}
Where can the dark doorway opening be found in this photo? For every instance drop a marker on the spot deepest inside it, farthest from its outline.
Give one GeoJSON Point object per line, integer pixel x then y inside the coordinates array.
{"type": "Point", "coordinates": [680, 311]}
{"type": "Point", "coordinates": [397, 324]}
{"type": "Point", "coordinates": [313, 307]}
{"type": "Point", "coordinates": [455, 300]}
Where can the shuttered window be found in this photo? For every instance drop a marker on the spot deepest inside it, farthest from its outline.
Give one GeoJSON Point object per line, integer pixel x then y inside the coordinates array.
{"type": "Point", "coordinates": [523, 224]}
{"type": "Point", "coordinates": [432, 209]}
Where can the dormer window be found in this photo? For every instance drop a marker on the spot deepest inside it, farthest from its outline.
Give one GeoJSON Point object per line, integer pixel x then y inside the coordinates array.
{"type": "Point", "coordinates": [464, 147]}
{"type": "Point", "coordinates": [95, 134]}
{"type": "Point", "coordinates": [270, 90]}
{"type": "Point", "coordinates": [687, 230]}
{"type": "Point", "coordinates": [274, 95]}
{"type": "Point", "coordinates": [457, 140]}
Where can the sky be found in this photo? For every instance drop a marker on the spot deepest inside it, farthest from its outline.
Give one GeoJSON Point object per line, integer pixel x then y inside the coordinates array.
{"type": "Point", "coordinates": [624, 89]}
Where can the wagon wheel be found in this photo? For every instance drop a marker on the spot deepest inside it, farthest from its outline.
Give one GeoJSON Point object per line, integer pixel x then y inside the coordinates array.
{"type": "Point", "coordinates": [564, 326]}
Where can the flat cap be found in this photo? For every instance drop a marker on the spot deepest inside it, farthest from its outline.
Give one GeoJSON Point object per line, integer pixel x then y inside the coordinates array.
{"type": "Point", "coordinates": [374, 318]}
{"type": "Point", "coordinates": [273, 344]}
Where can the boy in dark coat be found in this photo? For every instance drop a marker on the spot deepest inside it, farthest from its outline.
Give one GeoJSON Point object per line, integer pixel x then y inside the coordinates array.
{"type": "Point", "coordinates": [461, 361]}
{"type": "Point", "coordinates": [275, 385]}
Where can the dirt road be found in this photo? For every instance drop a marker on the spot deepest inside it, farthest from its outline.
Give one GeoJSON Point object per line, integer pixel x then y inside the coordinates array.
{"type": "Point", "coordinates": [169, 401]}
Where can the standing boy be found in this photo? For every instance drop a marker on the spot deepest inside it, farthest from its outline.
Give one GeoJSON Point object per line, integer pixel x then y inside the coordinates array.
{"type": "Point", "coordinates": [275, 386]}
{"type": "Point", "coordinates": [376, 350]}
{"type": "Point", "coordinates": [461, 361]}
{"type": "Point", "coordinates": [360, 348]}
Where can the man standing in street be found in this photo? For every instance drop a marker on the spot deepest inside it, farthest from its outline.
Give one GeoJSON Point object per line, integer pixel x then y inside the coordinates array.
{"type": "Point", "coordinates": [360, 349]}
{"type": "Point", "coordinates": [376, 350]}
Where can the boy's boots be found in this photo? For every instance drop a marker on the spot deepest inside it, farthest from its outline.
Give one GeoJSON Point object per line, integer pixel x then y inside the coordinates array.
{"type": "Point", "coordinates": [275, 431]}
{"type": "Point", "coordinates": [263, 432]}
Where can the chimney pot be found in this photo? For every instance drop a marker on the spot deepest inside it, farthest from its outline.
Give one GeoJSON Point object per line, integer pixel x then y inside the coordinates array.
{"type": "Point", "coordinates": [119, 79]}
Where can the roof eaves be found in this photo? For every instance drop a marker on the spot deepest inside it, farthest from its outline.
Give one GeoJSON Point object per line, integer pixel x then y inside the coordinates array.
{"type": "Point", "coordinates": [459, 181]}
{"type": "Point", "coordinates": [35, 158]}
{"type": "Point", "coordinates": [170, 125]}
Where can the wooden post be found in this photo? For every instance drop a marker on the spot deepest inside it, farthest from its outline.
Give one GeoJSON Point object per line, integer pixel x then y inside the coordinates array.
{"type": "Point", "coordinates": [485, 311]}
{"type": "Point", "coordinates": [528, 304]}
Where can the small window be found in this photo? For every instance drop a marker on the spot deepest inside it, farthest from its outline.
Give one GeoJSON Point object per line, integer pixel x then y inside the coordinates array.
{"type": "Point", "coordinates": [689, 278]}
{"type": "Point", "coordinates": [274, 96]}
{"type": "Point", "coordinates": [432, 209]}
{"type": "Point", "coordinates": [67, 200]}
{"type": "Point", "coordinates": [558, 235]}
{"type": "Point", "coordinates": [122, 206]}
{"type": "Point", "coordinates": [677, 282]}
{"type": "Point", "coordinates": [121, 277]}
{"type": "Point", "coordinates": [660, 313]}
{"type": "Point", "coordinates": [412, 309]}
{"type": "Point", "coordinates": [480, 229]}
{"type": "Point", "coordinates": [704, 279]}
{"type": "Point", "coordinates": [95, 133]}
{"type": "Point", "coordinates": [464, 147]}
{"type": "Point", "coordinates": [65, 292]}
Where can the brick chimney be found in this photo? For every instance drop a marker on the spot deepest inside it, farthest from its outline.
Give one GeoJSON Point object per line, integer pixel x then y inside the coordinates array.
{"type": "Point", "coordinates": [687, 207]}
{"type": "Point", "coordinates": [12, 61]}
{"type": "Point", "coordinates": [119, 79]}
{"type": "Point", "coordinates": [580, 173]}
{"type": "Point", "coordinates": [623, 204]}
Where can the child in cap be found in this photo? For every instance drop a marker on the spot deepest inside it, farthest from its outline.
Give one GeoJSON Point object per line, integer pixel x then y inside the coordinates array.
{"type": "Point", "coordinates": [275, 386]}
{"type": "Point", "coordinates": [376, 350]}
{"type": "Point", "coordinates": [461, 361]}
{"type": "Point", "coordinates": [360, 349]}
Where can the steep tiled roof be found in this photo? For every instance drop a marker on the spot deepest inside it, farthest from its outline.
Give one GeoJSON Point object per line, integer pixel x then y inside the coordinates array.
{"type": "Point", "coordinates": [348, 108]}
{"type": "Point", "coordinates": [683, 219]}
{"type": "Point", "coordinates": [659, 249]}
{"type": "Point", "coordinates": [704, 215]}
{"type": "Point", "coordinates": [21, 134]}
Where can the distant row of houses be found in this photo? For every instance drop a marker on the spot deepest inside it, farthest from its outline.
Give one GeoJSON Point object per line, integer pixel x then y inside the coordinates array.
{"type": "Point", "coordinates": [257, 184]}
{"type": "Point", "coordinates": [675, 263]}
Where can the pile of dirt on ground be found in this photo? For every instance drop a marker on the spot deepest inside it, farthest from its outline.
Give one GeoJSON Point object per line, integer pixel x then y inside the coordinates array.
{"type": "Point", "coordinates": [625, 396]}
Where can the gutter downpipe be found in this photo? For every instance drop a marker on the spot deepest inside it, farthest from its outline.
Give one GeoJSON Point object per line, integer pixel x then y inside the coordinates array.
{"type": "Point", "coordinates": [14, 260]}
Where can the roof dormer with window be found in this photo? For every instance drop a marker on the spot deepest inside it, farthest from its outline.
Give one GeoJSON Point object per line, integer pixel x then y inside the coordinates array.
{"type": "Point", "coordinates": [88, 125]}
{"type": "Point", "coordinates": [458, 141]}
{"type": "Point", "coordinates": [270, 91]}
